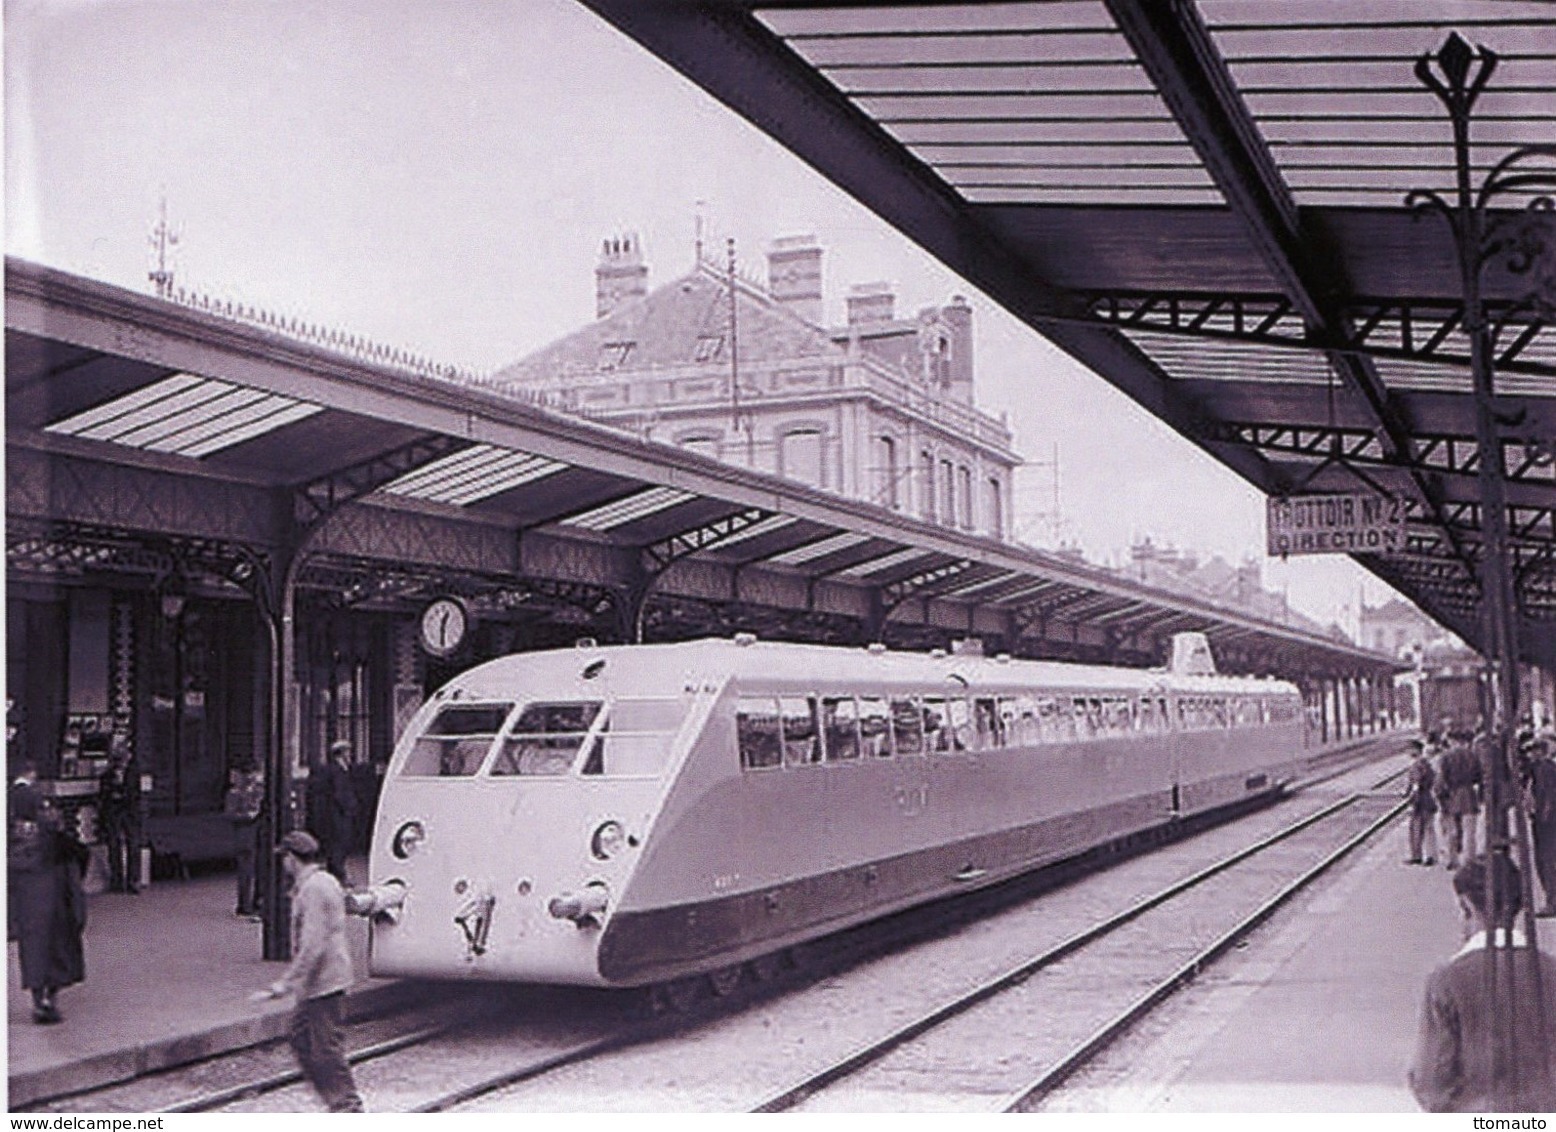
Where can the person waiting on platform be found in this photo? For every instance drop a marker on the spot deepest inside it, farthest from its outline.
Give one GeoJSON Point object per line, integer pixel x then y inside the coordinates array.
{"type": "Point", "coordinates": [320, 972]}
{"type": "Point", "coordinates": [1542, 815]}
{"type": "Point", "coordinates": [242, 804]}
{"type": "Point", "coordinates": [332, 807]}
{"type": "Point", "coordinates": [118, 816]}
{"type": "Point", "coordinates": [1423, 807]}
{"type": "Point", "coordinates": [1484, 1043]}
{"type": "Point", "coordinates": [1458, 796]}
{"type": "Point", "coordinates": [46, 906]}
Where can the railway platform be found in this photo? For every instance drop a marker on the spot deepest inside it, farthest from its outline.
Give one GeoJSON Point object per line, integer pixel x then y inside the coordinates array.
{"type": "Point", "coordinates": [169, 972]}
{"type": "Point", "coordinates": [1318, 1013]}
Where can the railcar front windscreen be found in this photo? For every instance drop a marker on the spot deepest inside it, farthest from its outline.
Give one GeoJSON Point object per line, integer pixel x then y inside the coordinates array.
{"type": "Point", "coordinates": [456, 742]}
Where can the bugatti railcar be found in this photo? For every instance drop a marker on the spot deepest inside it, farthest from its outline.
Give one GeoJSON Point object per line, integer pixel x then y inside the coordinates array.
{"type": "Point", "coordinates": [626, 815]}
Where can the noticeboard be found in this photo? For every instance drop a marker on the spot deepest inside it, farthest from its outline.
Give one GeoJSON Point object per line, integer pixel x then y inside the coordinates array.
{"type": "Point", "coordinates": [1357, 523]}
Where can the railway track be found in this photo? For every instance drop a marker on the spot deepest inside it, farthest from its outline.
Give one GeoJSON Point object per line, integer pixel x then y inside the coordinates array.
{"type": "Point", "coordinates": [460, 1057]}
{"type": "Point", "coordinates": [994, 996]}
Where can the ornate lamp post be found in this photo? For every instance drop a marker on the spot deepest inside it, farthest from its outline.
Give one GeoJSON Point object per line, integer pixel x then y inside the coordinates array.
{"type": "Point", "coordinates": [1489, 227]}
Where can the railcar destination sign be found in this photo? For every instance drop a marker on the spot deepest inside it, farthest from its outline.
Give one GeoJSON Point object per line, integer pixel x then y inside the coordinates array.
{"type": "Point", "coordinates": [1361, 523]}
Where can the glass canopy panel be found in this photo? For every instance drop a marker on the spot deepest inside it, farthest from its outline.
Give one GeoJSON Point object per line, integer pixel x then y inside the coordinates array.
{"type": "Point", "coordinates": [829, 545]}
{"type": "Point", "coordinates": [961, 84]}
{"type": "Point", "coordinates": [638, 506]}
{"type": "Point", "coordinates": [886, 562]}
{"type": "Point", "coordinates": [1196, 359]}
{"type": "Point", "coordinates": [1333, 90]}
{"type": "Point", "coordinates": [185, 414]}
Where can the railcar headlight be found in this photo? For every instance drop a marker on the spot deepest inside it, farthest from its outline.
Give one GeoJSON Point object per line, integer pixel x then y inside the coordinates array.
{"type": "Point", "coordinates": [607, 841]}
{"type": "Point", "coordinates": [407, 838]}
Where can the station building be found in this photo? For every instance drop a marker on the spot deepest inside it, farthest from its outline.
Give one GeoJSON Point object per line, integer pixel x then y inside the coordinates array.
{"type": "Point", "coordinates": [881, 409]}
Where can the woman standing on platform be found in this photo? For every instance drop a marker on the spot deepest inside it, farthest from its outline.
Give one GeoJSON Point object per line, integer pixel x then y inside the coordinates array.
{"type": "Point", "coordinates": [47, 906]}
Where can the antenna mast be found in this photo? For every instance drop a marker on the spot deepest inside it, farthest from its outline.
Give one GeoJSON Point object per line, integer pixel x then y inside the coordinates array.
{"type": "Point", "coordinates": [162, 238]}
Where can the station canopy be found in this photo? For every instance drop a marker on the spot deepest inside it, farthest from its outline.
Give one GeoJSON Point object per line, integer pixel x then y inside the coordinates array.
{"type": "Point", "coordinates": [1205, 203]}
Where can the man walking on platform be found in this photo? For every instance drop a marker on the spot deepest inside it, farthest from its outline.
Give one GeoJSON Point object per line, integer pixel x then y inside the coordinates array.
{"type": "Point", "coordinates": [319, 974]}
{"type": "Point", "coordinates": [1488, 1044]}
{"type": "Point", "coordinates": [1458, 795]}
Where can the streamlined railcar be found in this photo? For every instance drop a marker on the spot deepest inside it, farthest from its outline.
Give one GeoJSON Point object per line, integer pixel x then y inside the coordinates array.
{"type": "Point", "coordinates": [623, 816]}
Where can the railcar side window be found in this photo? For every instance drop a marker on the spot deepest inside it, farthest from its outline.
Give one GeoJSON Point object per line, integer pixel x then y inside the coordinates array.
{"type": "Point", "coordinates": [988, 725]}
{"type": "Point", "coordinates": [874, 727]}
{"type": "Point", "coordinates": [800, 738]}
{"type": "Point", "coordinates": [1058, 724]}
{"type": "Point", "coordinates": [839, 717]}
{"type": "Point", "coordinates": [758, 734]}
{"type": "Point", "coordinates": [907, 727]}
{"type": "Point", "coordinates": [1116, 718]}
{"type": "Point", "coordinates": [456, 741]}
{"type": "Point", "coordinates": [961, 728]}
{"type": "Point", "coordinates": [935, 734]}
{"type": "Point", "coordinates": [545, 739]}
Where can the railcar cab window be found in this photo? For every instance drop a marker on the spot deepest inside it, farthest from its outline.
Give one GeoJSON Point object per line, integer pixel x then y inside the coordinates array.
{"type": "Point", "coordinates": [456, 742]}
{"type": "Point", "coordinates": [636, 737]}
{"type": "Point", "coordinates": [545, 739]}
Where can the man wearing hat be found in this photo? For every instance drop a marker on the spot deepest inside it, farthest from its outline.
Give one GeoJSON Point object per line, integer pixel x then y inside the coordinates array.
{"type": "Point", "coordinates": [332, 807]}
{"type": "Point", "coordinates": [319, 974]}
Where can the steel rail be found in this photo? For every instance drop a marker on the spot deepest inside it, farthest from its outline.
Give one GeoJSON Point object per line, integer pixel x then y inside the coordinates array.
{"type": "Point", "coordinates": [208, 1102]}
{"type": "Point", "coordinates": [1111, 1031]}
{"type": "Point", "coordinates": [795, 1094]}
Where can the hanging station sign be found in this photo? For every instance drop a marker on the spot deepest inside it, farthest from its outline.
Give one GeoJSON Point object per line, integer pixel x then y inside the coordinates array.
{"type": "Point", "coordinates": [1356, 523]}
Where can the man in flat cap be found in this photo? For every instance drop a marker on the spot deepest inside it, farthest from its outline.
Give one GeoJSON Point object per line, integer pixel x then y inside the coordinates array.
{"type": "Point", "coordinates": [319, 974]}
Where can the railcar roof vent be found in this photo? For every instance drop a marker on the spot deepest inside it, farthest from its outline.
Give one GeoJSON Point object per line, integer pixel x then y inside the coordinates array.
{"type": "Point", "coordinates": [593, 669]}
{"type": "Point", "coordinates": [745, 639]}
{"type": "Point", "coordinates": [876, 648]}
{"type": "Point", "coordinates": [938, 654]}
{"type": "Point", "coordinates": [1002, 658]}
{"type": "Point", "coordinates": [1191, 655]}
{"type": "Point", "coordinates": [586, 643]}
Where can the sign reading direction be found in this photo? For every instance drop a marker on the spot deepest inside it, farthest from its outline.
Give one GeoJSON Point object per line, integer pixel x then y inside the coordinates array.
{"type": "Point", "coordinates": [1361, 523]}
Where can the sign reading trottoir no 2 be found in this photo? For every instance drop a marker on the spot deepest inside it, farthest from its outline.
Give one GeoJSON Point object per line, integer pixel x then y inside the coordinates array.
{"type": "Point", "coordinates": [1358, 523]}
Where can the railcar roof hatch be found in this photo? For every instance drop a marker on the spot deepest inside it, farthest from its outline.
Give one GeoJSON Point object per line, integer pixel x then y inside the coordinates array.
{"type": "Point", "coordinates": [1191, 655]}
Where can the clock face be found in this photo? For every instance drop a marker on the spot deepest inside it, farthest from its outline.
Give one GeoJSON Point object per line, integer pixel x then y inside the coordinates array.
{"type": "Point", "coordinates": [443, 625]}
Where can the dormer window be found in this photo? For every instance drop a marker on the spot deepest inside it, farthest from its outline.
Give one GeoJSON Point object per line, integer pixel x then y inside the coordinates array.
{"type": "Point", "coordinates": [709, 346]}
{"type": "Point", "coordinates": [613, 355]}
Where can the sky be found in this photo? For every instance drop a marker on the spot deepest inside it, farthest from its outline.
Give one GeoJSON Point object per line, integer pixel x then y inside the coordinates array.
{"type": "Point", "coordinates": [440, 176]}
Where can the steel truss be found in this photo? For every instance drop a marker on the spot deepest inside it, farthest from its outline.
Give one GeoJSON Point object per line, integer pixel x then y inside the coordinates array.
{"type": "Point", "coordinates": [1414, 330]}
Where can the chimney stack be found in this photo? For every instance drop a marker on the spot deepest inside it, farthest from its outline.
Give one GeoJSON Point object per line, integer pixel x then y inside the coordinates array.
{"type": "Point", "coordinates": [794, 276]}
{"type": "Point", "coordinates": [958, 317]}
{"type": "Point", "coordinates": [870, 302]}
{"type": "Point", "coordinates": [621, 275]}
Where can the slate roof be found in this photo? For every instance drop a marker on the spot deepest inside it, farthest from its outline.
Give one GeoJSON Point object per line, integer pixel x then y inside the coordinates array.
{"type": "Point", "coordinates": [665, 326]}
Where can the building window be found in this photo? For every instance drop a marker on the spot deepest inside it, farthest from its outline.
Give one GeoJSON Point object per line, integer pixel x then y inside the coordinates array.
{"type": "Point", "coordinates": [996, 509]}
{"type": "Point", "coordinates": [801, 456]}
{"type": "Point", "coordinates": [709, 346]}
{"type": "Point", "coordinates": [887, 473]}
{"type": "Point", "coordinates": [947, 493]}
{"type": "Point", "coordinates": [613, 355]}
{"type": "Point", "coordinates": [964, 497]}
{"type": "Point", "coordinates": [928, 503]}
